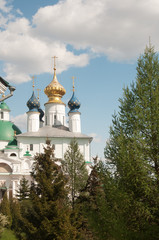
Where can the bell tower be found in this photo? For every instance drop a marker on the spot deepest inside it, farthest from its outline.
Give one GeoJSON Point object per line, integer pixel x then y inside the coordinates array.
{"type": "Point", "coordinates": [55, 108]}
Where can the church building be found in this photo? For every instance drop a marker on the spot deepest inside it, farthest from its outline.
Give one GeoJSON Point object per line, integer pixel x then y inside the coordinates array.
{"type": "Point", "coordinates": [17, 149]}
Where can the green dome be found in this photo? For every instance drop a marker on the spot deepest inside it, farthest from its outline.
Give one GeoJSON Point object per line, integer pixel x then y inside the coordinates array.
{"type": "Point", "coordinates": [4, 106]}
{"type": "Point", "coordinates": [12, 144]}
{"type": "Point", "coordinates": [7, 130]}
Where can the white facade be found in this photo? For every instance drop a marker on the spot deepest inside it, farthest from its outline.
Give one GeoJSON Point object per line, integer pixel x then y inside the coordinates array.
{"type": "Point", "coordinates": [55, 114]}
{"type": "Point", "coordinates": [17, 160]}
{"type": "Point", "coordinates": [33, 121]}
{"type": "Point", "coordinates": [75, 122]}
{"type": "Point", "coordinates": [4, 115]}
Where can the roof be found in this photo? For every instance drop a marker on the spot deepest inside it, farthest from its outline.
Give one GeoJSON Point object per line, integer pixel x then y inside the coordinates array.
{"type": "Point", "coordinates": [12, 144]}
{"type": "Point", "coordinates": [4, 82]}
{"type": "Point", "coordinates": [7, 130]}
{"type": "Point", "coordinates": [53, 132]}
{"type": "Point", "coordinates": [4, 106]}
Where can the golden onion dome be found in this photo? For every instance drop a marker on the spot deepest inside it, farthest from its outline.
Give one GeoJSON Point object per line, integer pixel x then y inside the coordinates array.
{"type": "Point", "coordinates": [55, 90]}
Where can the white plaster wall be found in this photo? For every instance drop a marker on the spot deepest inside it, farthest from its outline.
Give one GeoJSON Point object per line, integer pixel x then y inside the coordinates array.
{"type": "Point", "coordinates": [61, 145]}
{"type": "Point", "coordinates": [3, 144]}
{"type": "Point", "coordinates": [75, 122]}
{"type": "Point", "coordinates": [52, 109]}
{"type": "Point", "coordinates": [5, 115]}
{"type": "Point", "coordinates": [33, 121]}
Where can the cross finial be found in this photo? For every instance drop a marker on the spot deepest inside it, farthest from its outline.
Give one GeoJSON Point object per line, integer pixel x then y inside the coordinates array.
{"type": "Point", "coordinates": [33, 77]}
{"type": "Point", "coordinates": [73, 78]}
{"type": "Point", "coordinates": [38, 90]}
{"type": "Point", "coordinates": [54, 62]}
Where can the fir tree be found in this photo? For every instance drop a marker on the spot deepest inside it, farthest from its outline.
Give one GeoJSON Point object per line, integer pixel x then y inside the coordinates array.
{"type": "Point", "coordinates": [24, 189]}
{"type": "Point", "coordinates": [75, 168]}
{"type": "Point", "coordinates": [47, 215]}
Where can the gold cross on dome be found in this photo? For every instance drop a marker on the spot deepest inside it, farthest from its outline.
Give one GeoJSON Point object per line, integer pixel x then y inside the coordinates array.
{"type": "Point", "coordinates": [33, 77]}
{"type": "Point", "coordinates": [73, 78]}
{"type": "Point", "coordinates": [54, 62]}
{"type": "Point", "coordinates": [38, 90]}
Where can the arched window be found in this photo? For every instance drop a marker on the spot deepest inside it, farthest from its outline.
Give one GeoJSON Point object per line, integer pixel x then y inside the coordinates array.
{"type": "Point", "coordinates": [13, 155]}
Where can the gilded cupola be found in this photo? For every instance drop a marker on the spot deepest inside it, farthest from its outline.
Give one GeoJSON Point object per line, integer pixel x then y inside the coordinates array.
{"type": "Point", "coordinates": [55, 90]}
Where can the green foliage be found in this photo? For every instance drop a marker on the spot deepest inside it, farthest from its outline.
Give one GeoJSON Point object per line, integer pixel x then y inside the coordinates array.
{"type": "Point", "coordinates": [133, 154]}
{"type": "Point", "coordinates": [8, 235]}
{"type": "Point", "coordinates": [46, 215]}
{"type": "Point", "coordinates": [3, 222]}
{"type": "Point", "coordinates": [75, 168]}
{"type": "Point", "coordinates": [24, 189]}
{"type": "Point", "coordinates": [5, 209]}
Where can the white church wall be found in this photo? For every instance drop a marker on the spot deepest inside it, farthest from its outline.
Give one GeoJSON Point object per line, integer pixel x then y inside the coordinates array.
{"type": "Point", "coordinates": [3, 144]}
{"type": "Point", "coordinates": [55, 114]}
{"type": "Point", "coordinates": [61, 146]}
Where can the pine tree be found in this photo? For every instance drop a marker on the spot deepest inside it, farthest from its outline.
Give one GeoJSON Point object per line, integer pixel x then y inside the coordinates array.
{"type": "Point", "coordinates": [75, 168]}
{"type": "Point", "coordinates": [24, 189]}
{"type": "Point", "coordinates": [47, 214]}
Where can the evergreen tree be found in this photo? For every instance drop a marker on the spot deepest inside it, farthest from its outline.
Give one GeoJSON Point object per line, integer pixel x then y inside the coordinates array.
{"type": "Point", "coordinates": [3, 223]}
{"type": "Point", "coordinates": [47, 215]}
{"type": "Point", "coordinates": [5, 208]}
{"type": "Point", "coordinates": [24, 189]}
{"type": "Point", "coordinates": [75, 168]}
{"type": "Point", "coordinates": [133, 151]}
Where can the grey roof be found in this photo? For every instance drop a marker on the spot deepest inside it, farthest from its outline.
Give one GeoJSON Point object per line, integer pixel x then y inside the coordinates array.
{"type": "Point", "coordinates": [53, 132]}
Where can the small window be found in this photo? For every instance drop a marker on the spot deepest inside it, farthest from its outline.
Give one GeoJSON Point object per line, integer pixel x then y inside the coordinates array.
{"type": "Point", "coordinates": [46, 120]}
{"type": "Point", "coordinates": [54, 119]}
{"type": "Point", "coordinates": [13, 155]}
{"type": "Point", "coordinates": [31, 147]}
{"type": "Point", "coordinates": [2, 115]}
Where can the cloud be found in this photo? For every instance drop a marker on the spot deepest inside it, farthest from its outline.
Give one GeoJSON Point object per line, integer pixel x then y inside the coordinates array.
{"type": "Point", "coordinates": [4, 6]}
{"type": "Point", "coordinates": [95, 137]}
{"type": "Point", "coordinates": [25, 54]}
{"type": "Point", "coordinates": [118, 29]}
{"type": "Point", "coordinates": [20, 121]}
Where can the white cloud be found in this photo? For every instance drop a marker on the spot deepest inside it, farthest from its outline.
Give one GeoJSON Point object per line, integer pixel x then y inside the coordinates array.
{"type": "Point", "coordinates": [20, 121]}
{"type": "Point", "coordinates": [117, 28]}
{"type": "Point", "coordinates": [95, 137]}
{"type": "Point", "coordinates": [25, 54]}
{"type": "Point", "coordinates": [4, 7]}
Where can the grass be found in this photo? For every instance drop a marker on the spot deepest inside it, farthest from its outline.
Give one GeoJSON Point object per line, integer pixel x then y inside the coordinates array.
{"type": "Point", "coordinates": [8, 235]}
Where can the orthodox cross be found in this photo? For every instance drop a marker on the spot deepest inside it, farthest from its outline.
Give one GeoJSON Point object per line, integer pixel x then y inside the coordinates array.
{"type": "Point", "coordinates": [54, 62]}
{"type": "Point", "coordinates": [33, 77]}
{"type": "Point", "coordinates": [73, 83]}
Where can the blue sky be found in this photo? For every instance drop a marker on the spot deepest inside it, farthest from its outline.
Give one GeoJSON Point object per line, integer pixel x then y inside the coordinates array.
{"type": "Point", "coordinates": [98, 42]}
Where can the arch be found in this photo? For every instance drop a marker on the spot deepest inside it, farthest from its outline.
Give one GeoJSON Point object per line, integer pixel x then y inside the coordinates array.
{"type": "Point", "coordinates": [5, 168]}
{"type": "Point", "coordinates": [13, 155]}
